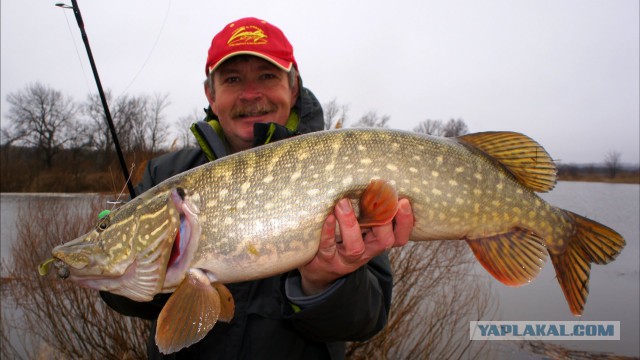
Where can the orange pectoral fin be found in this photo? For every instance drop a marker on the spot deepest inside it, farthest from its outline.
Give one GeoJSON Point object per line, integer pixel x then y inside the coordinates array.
{"type": "Point", "coordinates": [378, 204]}
{"type": "Point", "coordinates": [191, 312]}
{"type": "Point", "coordinates": [227, 305]}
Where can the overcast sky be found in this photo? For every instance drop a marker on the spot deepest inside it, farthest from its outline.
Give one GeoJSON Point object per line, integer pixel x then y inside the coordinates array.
{"type": "Point", "coordinates": [565, 72]}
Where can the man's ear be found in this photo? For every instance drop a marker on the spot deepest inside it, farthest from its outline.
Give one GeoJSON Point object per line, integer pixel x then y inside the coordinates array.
{"type": "Point", "coordinates": [295, 92]}
{"type": "Point", "coordinates": [211, 98]}
{"type": "Point", "coordinates": [207, 92]}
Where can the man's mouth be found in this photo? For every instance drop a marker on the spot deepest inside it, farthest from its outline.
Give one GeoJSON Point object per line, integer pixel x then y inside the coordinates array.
{"type": "Point", "coordinates": [254, 110]}
{"type": "Point", "coordinates": [252, 114]}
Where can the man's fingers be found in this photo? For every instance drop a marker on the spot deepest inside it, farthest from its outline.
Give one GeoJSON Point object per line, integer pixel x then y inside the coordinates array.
{"type": "Point", "coordinates": [328, 236]}
{"type": "Point", "coordinates": [382, 239]}
{"type": "Point", "coordinates": [404, 223]}
{"type": "Point", "coordinates": [352, 245]}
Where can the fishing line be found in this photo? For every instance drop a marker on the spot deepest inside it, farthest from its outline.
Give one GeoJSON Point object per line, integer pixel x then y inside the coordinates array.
{"type": "Point", "coordinates": [113, 204]}
{"type": "Point", "coordinates": [73, 40]}
{"type": "Point", "coordinates": [103, 98]}
{"type": "Point", "coordinates": [117, 200]}
{"type": "Point", "coordinates": [144, 64]}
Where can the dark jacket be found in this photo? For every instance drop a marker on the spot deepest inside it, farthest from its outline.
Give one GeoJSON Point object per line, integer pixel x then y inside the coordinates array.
{"type": "Point", "coordinates": [265, 324]}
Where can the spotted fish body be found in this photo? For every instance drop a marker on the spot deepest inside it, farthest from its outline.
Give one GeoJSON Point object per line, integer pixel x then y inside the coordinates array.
{"type": "Point", "coordinates": [260, 212]}
{"type": "Point", "coordinates": [264, 209]}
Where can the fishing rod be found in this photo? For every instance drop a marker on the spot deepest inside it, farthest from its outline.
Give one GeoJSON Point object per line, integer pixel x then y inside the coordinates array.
{"type": "Point", "coordinates": [103, 98]}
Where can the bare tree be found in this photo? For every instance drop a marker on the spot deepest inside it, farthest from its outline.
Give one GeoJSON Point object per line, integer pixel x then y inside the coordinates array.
{"type": "Point", "coordinates": [372, 119]}
{"type": "Point", "coordinates": [155, 122]}
{"type": "Point", "coordinates": [549, 350]}
{"type": "Point", "coordinates": [43, 118]}
{"type": "Point", "coordinates": [183, 129]}
{"type": "Point", "coordinates": [139, 122]}
{"type": "Point", "coordinates": [7, 137]}
{"type": "Point", "coordinates": [454, 128]}
{"type": "Point", "coordinates": [612, 162]}
{"type": "Point", "coordinates": [435, 295]}
{"type": "Point", "coordinates": [98, 130]}
{"type": "Point", "coordinates": [335, 115]}
{"type": "Point", "coordinates": [47, 318]}
{"type": "Point", "coordinates": [437, 128]}
{"type": "Point", "coordinates": [129, 113]}
{"type": "Point", "coordinates": [429, 127]}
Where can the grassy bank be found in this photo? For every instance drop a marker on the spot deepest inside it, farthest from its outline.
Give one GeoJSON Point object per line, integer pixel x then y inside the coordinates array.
{"type": "Point", "coordinates": [631, 177]}
{"type": "Point", "coordinates": [22, 170]}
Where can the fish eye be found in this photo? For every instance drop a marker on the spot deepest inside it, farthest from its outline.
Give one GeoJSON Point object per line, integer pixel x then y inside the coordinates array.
{"type": "Point", "coordinates": [102, 225]}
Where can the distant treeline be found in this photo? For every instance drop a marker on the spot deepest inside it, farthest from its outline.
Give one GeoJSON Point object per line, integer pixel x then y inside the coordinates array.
{"type": "Point", "coordinates": [599, 172]}
{"type": "Point", "coordinates": [73, 170]}
{"type": "Point", "coordinates": [53, 143]}
{"type": "Point", "coordinates": [82, 170]}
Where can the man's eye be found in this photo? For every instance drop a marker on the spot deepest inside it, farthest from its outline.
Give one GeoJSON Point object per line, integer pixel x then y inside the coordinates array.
{"type": "Point", "coordinates": [268, 76]}
{"type": "Point", "coordinates": [231, 79]}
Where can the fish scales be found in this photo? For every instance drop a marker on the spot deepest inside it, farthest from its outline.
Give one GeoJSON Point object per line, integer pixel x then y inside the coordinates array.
{"type": "Point", "coordinates": [270, 213]}
{"type": "Point", "coordinates": [260, 213]}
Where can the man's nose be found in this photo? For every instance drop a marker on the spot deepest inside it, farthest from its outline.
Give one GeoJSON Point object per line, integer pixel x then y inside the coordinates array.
{"type": "Point", "coordinates": [250, 91]}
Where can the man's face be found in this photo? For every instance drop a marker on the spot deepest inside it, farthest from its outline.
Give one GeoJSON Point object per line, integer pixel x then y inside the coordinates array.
{"type": "Point", "coordinates": [249, 90]}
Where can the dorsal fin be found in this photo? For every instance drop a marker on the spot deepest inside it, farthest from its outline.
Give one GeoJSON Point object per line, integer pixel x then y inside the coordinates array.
{"type": "Point", "coordinates": [522, 156]}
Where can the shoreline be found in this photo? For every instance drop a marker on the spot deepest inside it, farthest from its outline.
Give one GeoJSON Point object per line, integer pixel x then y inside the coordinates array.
{"type": "Point", "coordinates": [629, 180]}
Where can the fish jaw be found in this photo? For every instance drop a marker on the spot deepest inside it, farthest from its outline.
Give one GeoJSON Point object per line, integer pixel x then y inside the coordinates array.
{"type": "Point", "coordinates": [85, 258]}
{"type": "Point", "coordinates": [190, 231]}
{"type": "Point", "coordinates": [128, 251]}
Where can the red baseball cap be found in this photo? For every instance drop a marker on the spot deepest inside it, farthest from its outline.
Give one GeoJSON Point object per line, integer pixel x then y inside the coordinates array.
{"type": "Point", "coordinates": [251, 36]}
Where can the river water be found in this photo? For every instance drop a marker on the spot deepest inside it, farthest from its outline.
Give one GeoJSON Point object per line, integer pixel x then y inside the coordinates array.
{"type": "Point", "coordinates": [614, 288]}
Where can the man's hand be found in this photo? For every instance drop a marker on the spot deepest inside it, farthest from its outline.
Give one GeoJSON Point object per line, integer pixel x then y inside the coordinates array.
{"type": "Point", "coordinates": [340, 255]}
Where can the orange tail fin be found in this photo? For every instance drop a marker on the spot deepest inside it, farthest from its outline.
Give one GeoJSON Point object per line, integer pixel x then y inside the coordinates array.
{"type": "Point", "coordinates": [591, 243]}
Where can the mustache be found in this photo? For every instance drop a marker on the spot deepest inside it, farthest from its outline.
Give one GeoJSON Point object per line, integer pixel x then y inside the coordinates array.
{"type": "Point", "coordinates": [254, 109]}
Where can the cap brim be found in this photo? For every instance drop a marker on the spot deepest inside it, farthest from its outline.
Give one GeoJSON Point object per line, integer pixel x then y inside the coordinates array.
{"type": "Point", "coordinates": [282, 64]}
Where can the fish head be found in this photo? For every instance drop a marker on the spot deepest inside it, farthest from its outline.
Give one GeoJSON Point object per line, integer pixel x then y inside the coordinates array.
{"type": "Point", "coordinates": [128, 250]}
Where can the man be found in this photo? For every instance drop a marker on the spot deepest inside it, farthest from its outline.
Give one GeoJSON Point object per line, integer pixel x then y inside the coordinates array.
{"type": "Point", "coordinates": [344, 292]}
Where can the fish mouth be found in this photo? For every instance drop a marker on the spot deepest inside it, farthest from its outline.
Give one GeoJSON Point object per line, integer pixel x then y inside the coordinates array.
{"type": "Point", "coordinates": [186, 241]}
{"type": "Point", "coordinates": [138, 278]}
{"type": "Point", "coordinates": [74, 258]}
{"type": "Point", "coordinates": [130, 255]}
{"type": "Point", "coordinates": [62, 269]}
{"type": "Point", "coordinates": [181, 242]}
{"type": "Point", "coordinates": [123, 278]}
{"type": "Point", "coordinates": [156, 260]}
{"type": "Point", "coordinates": [182, 236]}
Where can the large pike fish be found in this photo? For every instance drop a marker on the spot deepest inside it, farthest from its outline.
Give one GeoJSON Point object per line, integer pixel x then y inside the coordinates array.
{"type": "Point", "coordinates": [260, 212]}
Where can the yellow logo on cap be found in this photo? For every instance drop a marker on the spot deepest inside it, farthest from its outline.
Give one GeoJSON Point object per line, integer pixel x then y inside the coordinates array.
{"type": "Point", "coordinates": [247, 35]}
